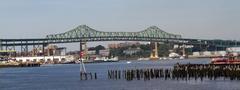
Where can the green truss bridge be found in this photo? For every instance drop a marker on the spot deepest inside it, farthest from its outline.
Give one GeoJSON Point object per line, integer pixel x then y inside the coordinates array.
{"type": "Point", "coordinates": [84, 33]}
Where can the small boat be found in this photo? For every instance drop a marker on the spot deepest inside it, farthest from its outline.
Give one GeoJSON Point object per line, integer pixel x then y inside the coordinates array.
{"type": "Point", "coordinates": [105, 59]}
{"type": "Point", "coordinates": [225, 61]}
{"type": "Point", "coordinates": [230, 59]}
{"type": "Point", "coordinates": [181, 57]}
{"type": "Point", "coordinates": [128, 62]}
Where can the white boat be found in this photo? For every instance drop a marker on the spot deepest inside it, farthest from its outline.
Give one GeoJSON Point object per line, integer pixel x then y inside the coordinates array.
{"type": "Point", "coordinates": [164, 58]}
{"type": "Point", "coordinates": [182, 57]}
{"type": "Point", "coordinates": [106, 59]}
{"type": "Point", "coordinates": [174, 55]}
{"type": "Point", "coordinates": [128, 62]}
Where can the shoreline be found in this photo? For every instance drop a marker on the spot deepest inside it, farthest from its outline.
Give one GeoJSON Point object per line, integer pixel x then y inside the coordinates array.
{"type": "Point", "coordinates": [8, 65]}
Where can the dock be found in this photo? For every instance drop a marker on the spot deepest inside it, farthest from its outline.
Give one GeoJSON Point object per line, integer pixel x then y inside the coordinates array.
{"type": "Point", "coordinates": [7, 65]}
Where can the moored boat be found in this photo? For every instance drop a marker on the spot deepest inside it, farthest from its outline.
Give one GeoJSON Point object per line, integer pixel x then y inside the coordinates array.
{"type": "Point", "coordinates": [230, 59]}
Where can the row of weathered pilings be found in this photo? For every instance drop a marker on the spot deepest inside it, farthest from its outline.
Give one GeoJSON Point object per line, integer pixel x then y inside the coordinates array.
{"type": "Point", "coordinates": [29, 65]}
{"type": "Point", "coordinates": [87, 76]}
{"type": "Point", "coordinates": [137, 74]}
{"type": "Point", "coordinates": [210, 71]}
{"type": "Point", "coordinates": [180, 72]}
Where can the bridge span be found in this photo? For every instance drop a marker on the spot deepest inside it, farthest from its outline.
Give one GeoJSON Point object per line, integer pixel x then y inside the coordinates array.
{"type": "Point", "coordinates": [84, 33]}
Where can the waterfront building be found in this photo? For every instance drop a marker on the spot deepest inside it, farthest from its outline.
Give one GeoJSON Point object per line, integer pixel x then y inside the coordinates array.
{"type": "Point", "coordinates": [91, 52]}
{"type": "Point", "coordinates": [113, 45]}
{"type": "Point", "coordinates": [104, 53]}
{"type": "Point", "coordinates": [125, 44]}
{"type": "Point", "coordinates": [208, 54]}
{"type": "Point", "coordinates": [131, 51]}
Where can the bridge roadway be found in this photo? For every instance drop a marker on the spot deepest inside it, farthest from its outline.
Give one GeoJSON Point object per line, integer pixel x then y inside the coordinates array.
{"type": "Point", "coordinates": [180, 41]}
{"type": "Point", "coordinates": [84, 33]}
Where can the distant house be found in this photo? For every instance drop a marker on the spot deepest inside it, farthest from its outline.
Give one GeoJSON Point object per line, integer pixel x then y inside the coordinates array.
{"type": "Point", "coordinates": [131, 51]}
{"type": "Point", "coordinates": [104, 52]}
{"type": "Point", "coordinates": [125, 44]}
{"type": "Point", "coordinates": [91, 52]}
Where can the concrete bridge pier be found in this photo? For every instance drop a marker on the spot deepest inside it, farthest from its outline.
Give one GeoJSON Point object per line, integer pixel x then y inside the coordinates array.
{"type": "Point", "coordinates": [24, 50]}
{"type": "Point", "coordinates": [1, 48]}
{"type": "Point", "coordinates": [154, 52]}
{"type": "Point", "coordinates": [184, 50]}
{"type": "Point", "coordinates": [43, 49]}
{"type": "Point", "coordinates": [83, 49]}
{"type": "Point", "coordinates": [36, 49]}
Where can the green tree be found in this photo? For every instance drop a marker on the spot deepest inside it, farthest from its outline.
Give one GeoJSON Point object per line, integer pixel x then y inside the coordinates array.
{"type": "Point", "coordinates": [163, 50]}
{"type": "Point", "coordinates": [98, 48]}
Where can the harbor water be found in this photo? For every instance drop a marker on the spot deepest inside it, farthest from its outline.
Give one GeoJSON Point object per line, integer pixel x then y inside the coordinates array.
{"type": "Point", "coordinates": [66, 77]}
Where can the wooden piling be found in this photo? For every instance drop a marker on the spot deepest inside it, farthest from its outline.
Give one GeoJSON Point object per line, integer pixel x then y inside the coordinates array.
{"type": "Point", "coordinates": [95, 75]}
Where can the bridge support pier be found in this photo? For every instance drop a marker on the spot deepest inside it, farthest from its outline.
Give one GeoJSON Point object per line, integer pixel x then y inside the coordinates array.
{"type": "Point", "coordinates": [154, 52]}
{"type": "Point", "coordinates": [6, 48]}
{"type": "Point", "coordinates": [1, 47]}
{"type": "Point", "coordinates": [84, 49]}
{"type": "Point", "coordinates": [35, 50]}
{"type": "Point", "coordinates": [183, 51]}
{"type": "Point", "coordinates": [24, 50]}
{"type": "Point", "coordinates": [43, 51]}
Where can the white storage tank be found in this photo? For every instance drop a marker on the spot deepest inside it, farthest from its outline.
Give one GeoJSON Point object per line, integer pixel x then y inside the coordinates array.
{"type": "Point", "coordinates": [222, 53]}
{"type": "Point", "coordinates": [196, 54]}
{"type": "Point", "coordinates": [207, 53]}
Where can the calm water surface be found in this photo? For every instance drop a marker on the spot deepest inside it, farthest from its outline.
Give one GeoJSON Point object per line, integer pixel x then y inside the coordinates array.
{"type": "Point", "coordinates": [66, 77]}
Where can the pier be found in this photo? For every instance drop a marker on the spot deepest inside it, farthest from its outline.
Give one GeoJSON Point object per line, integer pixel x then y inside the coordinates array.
{"type": "Point", "coordinates": [179, 72]}
{"type": "Point", "coordinates": [20, 65]}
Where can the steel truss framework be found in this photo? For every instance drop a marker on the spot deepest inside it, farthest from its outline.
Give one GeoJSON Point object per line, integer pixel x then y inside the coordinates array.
{"type": "Point", "coordinates": [84, 33]}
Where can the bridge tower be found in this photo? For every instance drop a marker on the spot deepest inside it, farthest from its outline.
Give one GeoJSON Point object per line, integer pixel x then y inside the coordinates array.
{"type": "Point", "coordinates": [184, 51]}
{"type": "Point", "coordinates": [154, 52]}
{"type": "Point", "coordinates": [1, 48]}
{"type": "Point", "coordinates": [84, 49]}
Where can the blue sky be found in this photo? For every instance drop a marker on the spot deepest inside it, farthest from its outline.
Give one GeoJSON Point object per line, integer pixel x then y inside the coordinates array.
{"type": "Point", "coordinates": [207, 19]}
